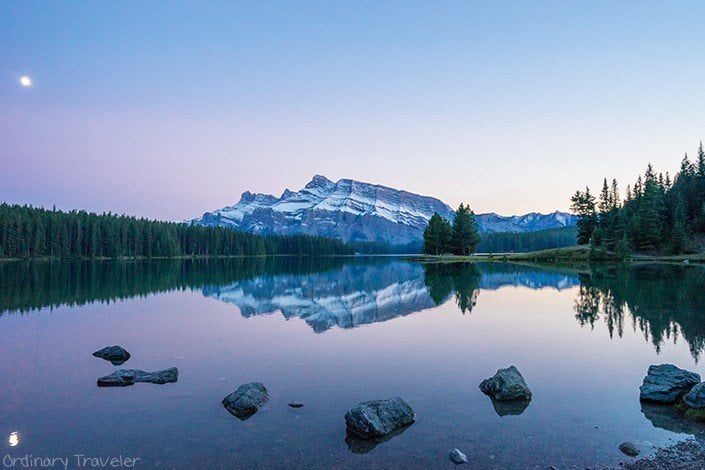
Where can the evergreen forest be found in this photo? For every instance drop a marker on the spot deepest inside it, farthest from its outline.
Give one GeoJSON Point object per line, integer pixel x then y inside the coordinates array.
{"type": "Point", "coordinates": [659, 214]}
{"type": "Point", "coordinates": [29, 232]}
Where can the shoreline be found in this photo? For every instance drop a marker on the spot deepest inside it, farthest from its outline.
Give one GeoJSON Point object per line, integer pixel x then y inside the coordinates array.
{"type": "Point", "coordinates": [576, 256]}
{"type": "Point", "coordinates": [686, 454]}
{"type": "Point", "coordinates": [571, 256]}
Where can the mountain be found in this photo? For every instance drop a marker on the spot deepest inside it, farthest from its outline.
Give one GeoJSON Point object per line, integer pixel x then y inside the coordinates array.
{"type": "Point", "coordinates": [356, 211]}
{"type": "Point", "coordinates": [531, 222]}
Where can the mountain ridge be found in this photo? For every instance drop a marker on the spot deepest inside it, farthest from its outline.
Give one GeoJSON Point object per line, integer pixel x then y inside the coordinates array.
{"type": "Point", "coordinates": [357, 211]}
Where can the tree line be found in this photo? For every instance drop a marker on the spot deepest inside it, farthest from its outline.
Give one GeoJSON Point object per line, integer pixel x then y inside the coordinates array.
{"type": "Point", "coordinates": [460, 238]}
{"type": "Point", "coordinates": [658, 215]}
{"type": "Point", "coordinates": [29, 232]}
{"type": "Point", "coordinates": [521, 242]}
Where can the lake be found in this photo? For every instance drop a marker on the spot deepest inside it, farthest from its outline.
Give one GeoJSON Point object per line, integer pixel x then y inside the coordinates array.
{"type": "Point", "coordinates": [331, 333]}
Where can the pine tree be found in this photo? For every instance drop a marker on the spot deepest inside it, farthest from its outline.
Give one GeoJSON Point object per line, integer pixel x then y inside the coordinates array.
{"type": "Point", "coordinates": [583, 204]}
{"type": "Point", "coordinates": [465, 235]}
{"type": "Point", "coordinates": [649, 222]}
{"type": "Point", "coordinates": [437, 236]}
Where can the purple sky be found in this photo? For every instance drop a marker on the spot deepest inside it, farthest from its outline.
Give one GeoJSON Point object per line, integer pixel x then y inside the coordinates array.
{"type": "Point", "coordinates": [507, 106]}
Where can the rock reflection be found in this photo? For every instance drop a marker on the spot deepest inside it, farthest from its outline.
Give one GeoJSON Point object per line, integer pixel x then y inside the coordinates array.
{"type": "Point", "coordinates": [665, 417]}
{"type": "Point", "coordinates": [510, 408]}
{"type": "Point", "coordinates": [358, 445]}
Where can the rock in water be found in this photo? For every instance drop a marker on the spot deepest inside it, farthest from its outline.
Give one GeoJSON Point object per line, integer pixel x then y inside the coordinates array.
{"type": "Point", "coordinates": [696, 397]}
{"type": "Point", "coordinates": [666, 383]}
{"type": "Point", "coordinates": [377, 418]}
{"type": "Point", "coordinates": [246, 400]}
{"type": "Point", "coordinates": [629, 448]}
{"type": "Point", "coordinates": [119, 378]}
{"type": "Point", "coordinates": [123, 377]}
{"type": "Point", "coordinates": [458, 457]}
{"type": "Point", "coordinates": [159, 377]}
{"type": "Point", "coordinates": [115, 354]}
{"type": "Point", "coordinates": [506, 385]}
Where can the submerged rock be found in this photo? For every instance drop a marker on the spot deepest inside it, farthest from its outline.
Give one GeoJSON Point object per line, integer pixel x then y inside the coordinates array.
{"type": "Point", "coordinates": [115, 354]}
{"type": "Point", "coordinates": [123, 377]}
{"type": "Point", "coordinates": [377, 418]}
{"type": "Point", "coordinates": [696, 397]}
{"type": "Point", "coordinates": [506, 385]}
{"type": "Point", "coordinates": [666, 383]}
{"type": "Point", "coordinates": [246, 400]}
{"type": "Point", "coordinates": [458, 457]}
{"type": "Point", "coordinates": [629, 448]}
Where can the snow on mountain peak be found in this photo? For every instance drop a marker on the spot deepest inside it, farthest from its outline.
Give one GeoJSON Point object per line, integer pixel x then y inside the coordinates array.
{"type": "Point", "coordinates": [356, 211]}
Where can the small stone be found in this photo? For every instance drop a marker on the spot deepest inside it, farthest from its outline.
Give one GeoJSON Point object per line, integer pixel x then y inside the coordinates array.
{"type": "Point", "coordinates": [115, 354]}
{"type": "Point", "coordinates": [458, 457]}
{"type": "Point", "coordinates": [629, 448]}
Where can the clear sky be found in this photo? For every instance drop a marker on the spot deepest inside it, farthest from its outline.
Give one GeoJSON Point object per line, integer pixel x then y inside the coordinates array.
{"type": "Point", "coordinates": [169, 109]}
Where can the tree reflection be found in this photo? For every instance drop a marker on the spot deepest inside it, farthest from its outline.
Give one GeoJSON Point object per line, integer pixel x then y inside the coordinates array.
{"type": "Point", "coordinates": [462, 280]}
{"type": "Point", "coordinates": [662, 301]}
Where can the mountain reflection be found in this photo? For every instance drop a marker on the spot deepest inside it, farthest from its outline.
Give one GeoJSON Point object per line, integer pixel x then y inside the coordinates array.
{"type": "Point", "coordinates": [664, 302]}
{"type": "Point", "coordinates": [354, 295]}
{"type": "Point", "coordinates": [364, 293]}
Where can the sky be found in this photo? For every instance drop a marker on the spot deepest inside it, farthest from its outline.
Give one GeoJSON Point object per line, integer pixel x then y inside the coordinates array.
{"type": "Point", "coordinates": [170, 109]}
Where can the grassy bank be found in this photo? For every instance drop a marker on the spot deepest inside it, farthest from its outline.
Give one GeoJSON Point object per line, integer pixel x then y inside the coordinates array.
{"type": "Point", "coordinates": [570, 256]}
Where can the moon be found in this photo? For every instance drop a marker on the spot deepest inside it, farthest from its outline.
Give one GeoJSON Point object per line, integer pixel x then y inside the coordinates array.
{"type": "Point", "coordinates": [25, 81]}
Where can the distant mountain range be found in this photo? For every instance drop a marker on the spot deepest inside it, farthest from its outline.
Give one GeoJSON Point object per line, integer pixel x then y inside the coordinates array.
{"type": "Point", "coordinates": [356, 211]}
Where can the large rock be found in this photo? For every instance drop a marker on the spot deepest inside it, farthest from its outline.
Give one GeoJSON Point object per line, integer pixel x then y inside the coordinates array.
{"type": "Point", "coordinates": [115, 354]}
{"type": "Point", "coordinates": [246, 400]}
{"type": "Point", "coordinates": [666, 383]}
{"type": "Point", "coordinates": [123, 377]}
{"type": "Point", "coordinates": [506, 385]}
{"type": "Point", "coordinates": [377, 418]}
{"type": "Point", "coordinates": [696, 397]}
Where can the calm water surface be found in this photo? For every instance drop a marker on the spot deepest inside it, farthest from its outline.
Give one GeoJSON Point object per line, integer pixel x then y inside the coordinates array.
{"type": "Point", "coordinates": [334, 332]}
